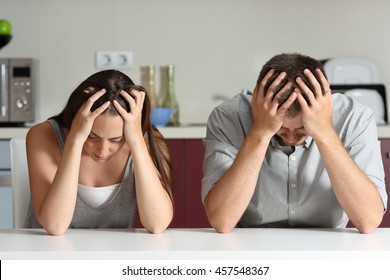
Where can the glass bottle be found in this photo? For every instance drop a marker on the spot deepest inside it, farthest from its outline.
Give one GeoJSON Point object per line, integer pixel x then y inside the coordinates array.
{"type": "Point", "coordinates": [167, 93]}
{"type": "Point", "coordinates": [148, 81]}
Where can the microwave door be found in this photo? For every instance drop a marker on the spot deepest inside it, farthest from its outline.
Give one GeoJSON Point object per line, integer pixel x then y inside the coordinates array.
{"type": "Point", "coordinates": [4, 114]}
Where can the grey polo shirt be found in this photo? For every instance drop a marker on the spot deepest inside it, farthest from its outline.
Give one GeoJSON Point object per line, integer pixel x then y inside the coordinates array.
{"type": "Point", "coordinates": [293, 189]}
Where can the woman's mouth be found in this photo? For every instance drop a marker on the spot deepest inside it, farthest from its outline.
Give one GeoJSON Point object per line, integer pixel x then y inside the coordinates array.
{"type": "Point", "coordinates": [100, 157]}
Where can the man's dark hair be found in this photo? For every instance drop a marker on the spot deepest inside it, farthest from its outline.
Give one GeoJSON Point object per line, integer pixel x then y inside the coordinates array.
{"type": "Point", "coordinates": [293, 64]}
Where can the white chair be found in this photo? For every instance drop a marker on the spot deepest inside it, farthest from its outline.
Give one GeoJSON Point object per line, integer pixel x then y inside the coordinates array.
{"type": "Point", "coordinates": [20, 181]}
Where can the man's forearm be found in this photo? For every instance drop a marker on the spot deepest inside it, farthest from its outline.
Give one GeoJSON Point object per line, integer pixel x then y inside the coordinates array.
{"type": "Point", "coordinates": [229, 198]}
{"type": "Point", "coordinates": [356, 194]}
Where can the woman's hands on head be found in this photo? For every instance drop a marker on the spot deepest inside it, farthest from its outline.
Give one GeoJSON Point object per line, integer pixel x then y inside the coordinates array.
{"type": "Point", "coordinates": [83, 121]}
{"type": "Point", "coordinates": [132, 119]}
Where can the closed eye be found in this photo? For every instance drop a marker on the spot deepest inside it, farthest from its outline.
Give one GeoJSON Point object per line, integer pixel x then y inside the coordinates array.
{"type": "Point", "coordinates": [92, 136]}
{"type": "Point", "coordinates": [116, 139]}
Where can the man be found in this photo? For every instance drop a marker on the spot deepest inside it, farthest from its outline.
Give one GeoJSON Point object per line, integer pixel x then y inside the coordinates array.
{"type": "Point", "coordinates": [293, 155]}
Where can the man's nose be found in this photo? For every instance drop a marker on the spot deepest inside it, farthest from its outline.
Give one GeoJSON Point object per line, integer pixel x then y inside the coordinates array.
{"type": "Point", "coordinates": [291, 134]}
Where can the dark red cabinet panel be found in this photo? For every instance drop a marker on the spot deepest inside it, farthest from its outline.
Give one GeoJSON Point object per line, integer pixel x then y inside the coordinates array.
{"type": "Point", "coordinates": [193, 158]}
{"type": "Point", "coordinates": [177, 151]}
{"type": "Point", "coordinates": [385, 148]}
{"type": "Point", "coordinates": [187, 159]}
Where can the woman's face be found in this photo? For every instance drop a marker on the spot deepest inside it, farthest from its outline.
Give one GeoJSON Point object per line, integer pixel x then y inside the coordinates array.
{"type": "Point", "coordinates": [106, 138]}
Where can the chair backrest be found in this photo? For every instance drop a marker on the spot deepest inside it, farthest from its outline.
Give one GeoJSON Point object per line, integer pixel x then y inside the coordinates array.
{"type": "Point", "coordinates": [20, 181]}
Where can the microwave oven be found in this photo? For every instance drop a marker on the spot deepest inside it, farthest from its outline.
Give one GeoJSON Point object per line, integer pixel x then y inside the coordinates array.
{"type": "Point", "coordinates": [16, 91]}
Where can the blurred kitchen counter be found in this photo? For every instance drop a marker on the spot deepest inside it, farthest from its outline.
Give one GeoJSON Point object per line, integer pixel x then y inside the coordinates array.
{"type": "Point", "coordinates": [181, 132]}
{"type": "Point", "coordinates": [185, 132]}
{"type": "Point", "coordinates": [13, 132]}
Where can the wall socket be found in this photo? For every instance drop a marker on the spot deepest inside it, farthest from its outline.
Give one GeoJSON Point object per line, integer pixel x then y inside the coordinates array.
{"type": "Point", "coordinates": [114, 59]}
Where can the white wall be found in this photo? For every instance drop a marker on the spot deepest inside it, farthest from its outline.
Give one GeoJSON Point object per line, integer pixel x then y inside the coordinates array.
{"type": "Point", "coordinates": [218, 46]}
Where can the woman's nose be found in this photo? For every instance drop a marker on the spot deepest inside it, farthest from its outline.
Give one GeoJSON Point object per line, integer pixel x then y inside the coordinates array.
{"type": "Point", "coordinates": [103, 147]}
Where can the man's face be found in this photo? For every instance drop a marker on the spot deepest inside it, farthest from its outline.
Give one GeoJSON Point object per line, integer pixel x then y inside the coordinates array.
{"type": "Point", "coordinates": [292, 132]}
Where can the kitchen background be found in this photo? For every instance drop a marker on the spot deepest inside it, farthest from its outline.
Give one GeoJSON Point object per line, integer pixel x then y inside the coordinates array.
{"type": "Point", "coordinates": [217, 46]}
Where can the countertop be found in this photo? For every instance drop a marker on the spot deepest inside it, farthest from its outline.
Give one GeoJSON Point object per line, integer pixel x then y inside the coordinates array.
{"type": "Point", "coordinates": [174, 243]}
{"type": "Point", "coordinates": [182, 132]}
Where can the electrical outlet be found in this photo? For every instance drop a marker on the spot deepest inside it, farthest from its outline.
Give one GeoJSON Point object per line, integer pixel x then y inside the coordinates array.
{"type": "Point", "coordinates": [114, 59]}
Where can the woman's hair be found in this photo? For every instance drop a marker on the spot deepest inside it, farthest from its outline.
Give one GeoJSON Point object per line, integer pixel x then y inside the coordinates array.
{"type": "Point", "coordinates": [114, 82]}
{"type": "Point", "coordinates": [293, 64]}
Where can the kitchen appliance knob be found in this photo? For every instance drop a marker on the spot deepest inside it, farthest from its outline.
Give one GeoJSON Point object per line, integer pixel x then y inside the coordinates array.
{"type": "Point", "coordinates": [21, 102]}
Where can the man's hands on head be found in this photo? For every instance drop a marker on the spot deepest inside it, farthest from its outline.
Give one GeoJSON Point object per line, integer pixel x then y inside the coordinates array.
{"type": "Point", "coordinates": [267, 114]}
{"type": "Point", "coordinates": [316, 104]}
{"type": "Point", "coordinates": [316, 117]}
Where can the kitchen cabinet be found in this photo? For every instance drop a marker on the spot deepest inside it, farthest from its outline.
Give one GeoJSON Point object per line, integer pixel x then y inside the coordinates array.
{"type": "Point", "coordinates": [385, 148]}
{"type": "Point", "coordinates": [186, 147]}
{"type": "Point", "coordinates": [5, 204]}
{"type": "Point", "coordinates": [187, 159]}
{"type": "Point", "coordinates": [5, 185]}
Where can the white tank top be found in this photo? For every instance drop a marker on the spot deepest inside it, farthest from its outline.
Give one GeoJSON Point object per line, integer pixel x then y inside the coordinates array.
{"type": "Point", "coordinates": [96, 197]}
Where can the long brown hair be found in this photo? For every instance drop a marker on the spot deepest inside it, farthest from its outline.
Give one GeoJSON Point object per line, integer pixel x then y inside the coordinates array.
{"type": "Point", "coordinates": [114, 82]}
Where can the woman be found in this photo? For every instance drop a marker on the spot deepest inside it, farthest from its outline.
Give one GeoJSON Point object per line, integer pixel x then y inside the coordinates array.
{"type": "Point", "coordinates": [93, 163]}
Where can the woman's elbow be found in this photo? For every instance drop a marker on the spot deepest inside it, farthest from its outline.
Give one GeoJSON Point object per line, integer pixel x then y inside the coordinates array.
{"type": "Point", "coordinates": [155, 226]}
{"type": "Point", "coordinates": [156, 229]}
{"type": "Point", "coordinates": [51, 228]}
{"type": "Point", "coordinates": [55, 230]}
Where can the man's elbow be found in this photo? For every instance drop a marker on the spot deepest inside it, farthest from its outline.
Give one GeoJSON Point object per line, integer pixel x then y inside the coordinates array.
{"type": "Point", "coordinates": [220, 224]}
{"type": "Point", "coordinates": [222, 227]}
{"type": "Point", "coordinates": [367, 229]}
{"type": "Point", "coordinates": [369, 225]}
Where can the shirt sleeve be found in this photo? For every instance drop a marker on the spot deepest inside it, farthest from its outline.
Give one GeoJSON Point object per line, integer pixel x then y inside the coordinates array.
{"type": "Point", "coordinates": [361, 141]}
{"type": "Point", "coordinates": [221, 149]}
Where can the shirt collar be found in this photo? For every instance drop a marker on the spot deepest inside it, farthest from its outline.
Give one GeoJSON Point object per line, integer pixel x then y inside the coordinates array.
{"type": "Point", "coordinates": [307, 143]}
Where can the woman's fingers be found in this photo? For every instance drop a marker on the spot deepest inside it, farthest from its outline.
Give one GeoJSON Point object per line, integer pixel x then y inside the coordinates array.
{"type": "Point", "coordinates": [91, 100]}
{"type": "Point", "coordinates": [135, 99]}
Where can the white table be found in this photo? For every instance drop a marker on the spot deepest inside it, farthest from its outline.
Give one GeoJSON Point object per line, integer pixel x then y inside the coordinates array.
{"type": "Point", "coordinates": [102, 254]}
{"type": "Point", "coordinates": [194, 244]}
